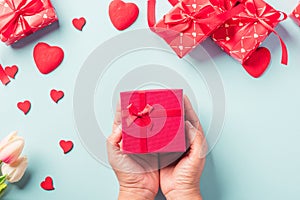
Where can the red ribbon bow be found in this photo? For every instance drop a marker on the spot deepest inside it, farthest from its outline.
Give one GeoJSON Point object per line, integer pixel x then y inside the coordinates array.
{"type": "Point", "coordinates": [184, 20]}
{"type": "Point", "coordinates": [266, 16]}
{"type": "Point", "coordinates": [135, 114]}
{"type": "Point", "coordinates": [208, 18]}
{"type": "Point", "coordinates": [10, 21]}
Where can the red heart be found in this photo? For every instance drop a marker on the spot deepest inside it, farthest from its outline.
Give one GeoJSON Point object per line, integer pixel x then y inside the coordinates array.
{"type": "Point", "coordinates": [11, 71]}
{"type": "Point", "coordinates": [47, 58]}
{"type": "Point", "coordinates": [79, 23]}
{"type": "Point", "coordinates": [56, 95]}
{"type": "Point", "coordinates": [24, 106]}
{"type": "Point", "coordinates": [258, 62]}
{"type": "Point", "coordinates": [66, 146]}
{"type": "Point", "coordinates": [47, 184]}
{"type": "Point", "coordinates": [122, 15]}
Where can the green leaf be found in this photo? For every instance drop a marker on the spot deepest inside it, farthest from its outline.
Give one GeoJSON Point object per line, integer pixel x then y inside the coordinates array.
{"type": "Point", "coordinates": [2, 179]}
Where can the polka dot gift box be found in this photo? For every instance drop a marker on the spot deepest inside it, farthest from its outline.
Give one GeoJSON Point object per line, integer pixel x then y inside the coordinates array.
{"type": "Point", "coordinates": [295, 15]}
{"type": "Point", "coordinates": [191, 21]}
{"type": "Point", "coordinates": [241, 36]}
{"type": "Point", "coordinates": [20, 18]}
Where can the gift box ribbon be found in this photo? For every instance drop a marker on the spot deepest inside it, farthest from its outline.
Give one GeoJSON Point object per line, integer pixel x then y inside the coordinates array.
{"type": "Point", "coordinates": [206, 17]}
{"type": "Point", "coordinates": [258, 12]}
{"type": "Point", "coordinates": [10, 21]}
{"type": "Point", "coordinates": [133, 113]}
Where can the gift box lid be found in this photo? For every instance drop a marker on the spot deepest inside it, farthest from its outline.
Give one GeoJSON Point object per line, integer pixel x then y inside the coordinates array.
{"type": "Point", "coordinates": [153, 121]}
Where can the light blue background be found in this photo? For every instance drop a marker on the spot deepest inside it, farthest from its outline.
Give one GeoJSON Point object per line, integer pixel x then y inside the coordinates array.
{"type": "Point", "coordinates": [257, 156]}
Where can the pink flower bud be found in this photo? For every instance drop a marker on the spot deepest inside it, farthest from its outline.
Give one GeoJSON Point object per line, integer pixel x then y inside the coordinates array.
{"type": "Point", "coordinates": [11, 147]}
{"type": "Point", "coordinates": [16, 170]}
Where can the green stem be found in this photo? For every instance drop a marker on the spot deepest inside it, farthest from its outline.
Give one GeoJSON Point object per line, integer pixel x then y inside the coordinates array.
{"type": "Point", "coordinates": [2, 188]}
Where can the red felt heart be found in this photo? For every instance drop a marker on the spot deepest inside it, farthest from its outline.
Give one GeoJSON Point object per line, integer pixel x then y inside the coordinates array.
{"type": "Point", "coordinates": [66, 146]}
{"type": "Point", "coordinates": [11, 71]}
{"type": "Point", "coordinates": [47, 184]}
{"type": "Point", "coordinates": [122, 14]}
{"type": "Point", "coordinates": [47, 58]}
{"type": "Point", "coordinates": [258, 62]}
{"type": "Point", "coordinates": [56, 95]}
{"type": "Point", "coordinates": [24, 106]}
{"type": "Point", "coordinates": [79, 23]}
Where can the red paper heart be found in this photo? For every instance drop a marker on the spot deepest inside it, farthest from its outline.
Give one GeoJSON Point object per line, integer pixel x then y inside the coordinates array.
{"type": "Point", "coordinates": [47, 184]}
{"type": "Point", "coordinates": [24, 106]}
{"type": "Point", "coordinates": [56, 95]}
{"type": "Point", "coordinates": [122, 14]}
{"type": "Point", "coordinates": [66, 146]}
{"type": "Point", "coordinates": [11, 71]}
{"type": "Point", "coordinates": [258, 62]}
{"type": "Point", "coordinates": [47, 58]}
{"type": "Point", "coordinates": [79, 23]}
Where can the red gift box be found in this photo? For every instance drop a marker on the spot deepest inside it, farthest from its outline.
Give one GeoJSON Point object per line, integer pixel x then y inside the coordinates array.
{"type": "Point", "coordinates": [190, 22]}
{"type": "Point", "coordinates": [295, 15]}
{"type": "Point", "coordinates": [243, 34]}
{"type": "Point", "coordinates": [20, 18]}
{"type": "Point", "coordinates": [152, 121]}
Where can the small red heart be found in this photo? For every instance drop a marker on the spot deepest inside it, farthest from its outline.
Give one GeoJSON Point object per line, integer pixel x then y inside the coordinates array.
{"type": "Point", "coordinates": [66, 146]}
{"type": "Point", "coordinates": [47, 184]}
{"type": "Point", "coordinates": [24, 106]}
{"type": "Point", "coordinates": [79, 23]}
{"type": "Point", "coordinates": [258, 62]}
{"type": "Point", "coordinates": [47, 58]}
{"type": "Point", "coordinates": [56, 95]}
{"type": "Point", "coordinates": [11, 71]}
{"type": "Point", "coordinates": [122, 14]}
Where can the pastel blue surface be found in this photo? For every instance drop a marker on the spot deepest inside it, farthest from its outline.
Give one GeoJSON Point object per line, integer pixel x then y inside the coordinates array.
{"type": "Point", "coordinates": [256, 157]}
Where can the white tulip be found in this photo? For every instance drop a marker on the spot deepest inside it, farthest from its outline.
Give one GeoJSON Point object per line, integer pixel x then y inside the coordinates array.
{"type": "Point", "coordinates": [15, 170]}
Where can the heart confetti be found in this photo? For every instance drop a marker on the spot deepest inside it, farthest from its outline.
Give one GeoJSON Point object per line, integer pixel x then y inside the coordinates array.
{"type": "Point", "coordinates": [66, 146]}
{"type": "Point", "coordinates": [47, 58]}
{"type": "Point", "coordinates": [122, 15]}
{"type": "Point", "coordinates": [11, 71]}
{"type": "Point", "coordinates": [56, 95]}
{"type": "Point", "coordinates": [79, 23]}
{"type": "Point", "coordinates": [47, 184]}
{"type": "Point", "coordinates": [258, 62]}
{"type": "Point", "coordinates": [3, 76]}
{"type": "Point", "coordinates": [24, 106]}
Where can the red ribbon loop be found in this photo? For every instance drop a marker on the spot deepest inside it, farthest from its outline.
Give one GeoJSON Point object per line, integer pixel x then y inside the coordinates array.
{"type": "Point", "coordinates": [207, 18]}
{"type": "Point", "coordinates": [135, 114]}
{"type": "Point", "coordinates": [267, 18]}
{"type": "Point", "coordinates": [184, 20]}
{"type": "Point", "coordinates": [10, 20]}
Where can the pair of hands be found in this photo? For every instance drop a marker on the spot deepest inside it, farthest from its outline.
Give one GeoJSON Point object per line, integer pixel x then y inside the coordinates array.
{"type": "Point", "coordinates": [178, 176]}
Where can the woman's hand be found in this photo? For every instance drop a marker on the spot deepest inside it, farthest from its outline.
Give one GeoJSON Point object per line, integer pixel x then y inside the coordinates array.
{"type": "Point", "coordinates": [181, 180]}
{"type": "Point", "coordinates": [137, 174]}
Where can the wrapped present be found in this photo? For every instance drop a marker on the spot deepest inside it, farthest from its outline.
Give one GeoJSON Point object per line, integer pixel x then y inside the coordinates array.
{"type": "Point", "coordinates": [152, 121]}
{"type": "Point", "coordinates": [243, 34]}
{"type": "Point", "coordinates": [20, 18]}
{"type": "Point", "coordinates": [190, 22]}
{"type": "Point", "coordinates": [295, 15]}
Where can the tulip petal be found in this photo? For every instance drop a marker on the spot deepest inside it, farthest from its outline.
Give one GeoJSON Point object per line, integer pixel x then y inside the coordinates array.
{"type": "Point", "coordinates": [10, 152]}
{"type": "Point", "coordinates": [16, 170]}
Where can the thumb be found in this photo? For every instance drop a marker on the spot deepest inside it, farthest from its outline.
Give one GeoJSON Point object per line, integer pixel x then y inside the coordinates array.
{"type": "Point", "coordinates": [196, 141]}
{"type": "Point", "coordinates": [113, 141]}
